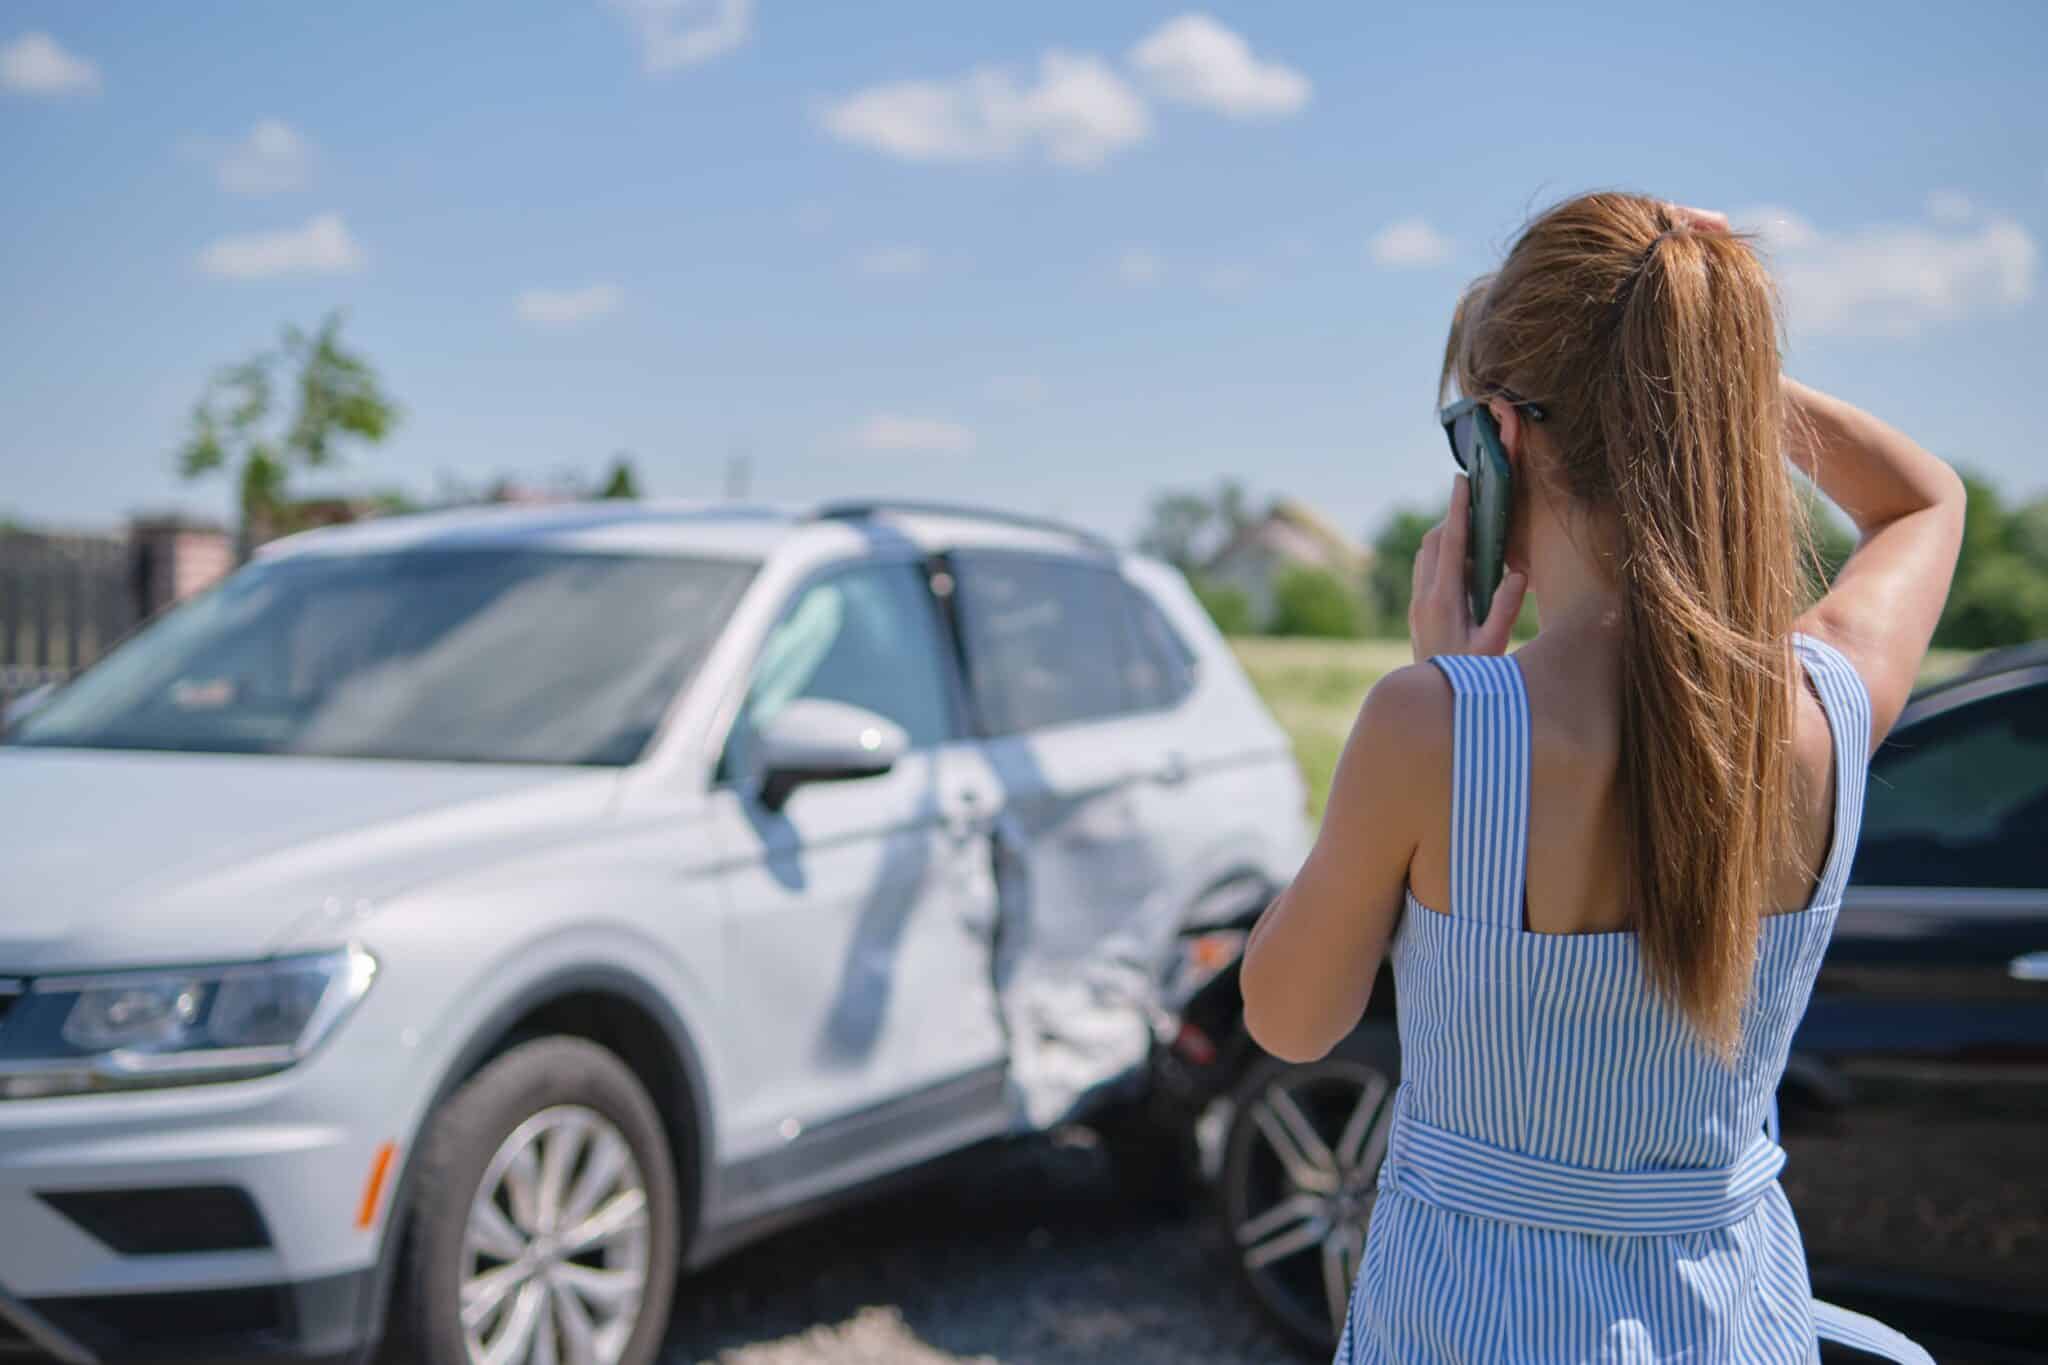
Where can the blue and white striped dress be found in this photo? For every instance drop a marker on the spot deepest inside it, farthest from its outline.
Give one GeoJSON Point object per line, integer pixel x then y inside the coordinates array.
{"type": "Point", "coordinates": [1571, 1174]}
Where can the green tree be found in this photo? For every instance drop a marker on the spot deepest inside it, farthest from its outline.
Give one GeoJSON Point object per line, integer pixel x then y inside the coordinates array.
{"type": "Point", "coordinates": [1175, 529]}
{"type": "Point", "coordinates": [1391, 578]}
{"type": "Point", "coordinates": [2003, 601]}
{"type": "Point", "coordinates": [284, 409]}
{"type": "Point", "coordinates": [2028, 534]}
{"type": "Point", "coordinates": [2000, 595]}
{"type": "Point", "coordinates": [1228, 607]}
{"type": "Point", "coordinates": [1313, 602]}
{"type": "Point", "coordinates": [1185, 527]}
{"type": "Point", "coordinates": [621, 482]}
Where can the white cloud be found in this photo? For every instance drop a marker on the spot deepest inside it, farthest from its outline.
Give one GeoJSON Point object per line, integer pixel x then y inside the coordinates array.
{"type": "Point", "coordinates": [1893, 279]}
{"type": "Point", "coordinates": [1078, 112]}
{"type": "Point", "coordinates": [1140, 266]}
{"type": "Point", "coordinates": [676, 33]}
{"type": "Point", "coordinates": [892, 431]}
{"type": "Point", "coordinates": [894, 261]}
{"type": "Point", "coordinates": [1195, 60]}
{"type": "Point", "coordinates": [1409, 243]}
{"type": "Point", "coordinates": [567, 307]}
{"type": "Point", "coordinates": [1777, 228]}
{"type": "Point", "coordinates": [1019, 390]}
{"type": "Point", "coordinates": [36, 64]}
{"type": "Point", "coordinates": [322, 247]}
{"type": "Point", "coordinates": [273, 157]}
{"type": "Point", "coordinates": [1950, 206]}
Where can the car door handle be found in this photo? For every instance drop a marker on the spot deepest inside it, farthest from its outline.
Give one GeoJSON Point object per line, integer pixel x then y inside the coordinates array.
{"type": "Point", "coordinates": [2029, 967]}
{"type": "Point", "coordinates": [962, 815]}
{"type": "Point", "coordinates": [1172, 772]}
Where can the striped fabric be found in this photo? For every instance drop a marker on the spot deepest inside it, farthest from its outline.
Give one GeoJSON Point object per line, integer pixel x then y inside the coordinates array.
{"type": "Point", "coordinates": [1572, 1175]}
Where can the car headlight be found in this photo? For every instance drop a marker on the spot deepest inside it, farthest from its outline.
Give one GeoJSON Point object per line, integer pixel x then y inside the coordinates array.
{"type": "Point", "coordinates": [123, 1030]}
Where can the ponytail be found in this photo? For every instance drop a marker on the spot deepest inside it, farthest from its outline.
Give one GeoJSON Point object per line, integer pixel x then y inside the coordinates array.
{"type": "Point", "coordinates": [1655, 347]}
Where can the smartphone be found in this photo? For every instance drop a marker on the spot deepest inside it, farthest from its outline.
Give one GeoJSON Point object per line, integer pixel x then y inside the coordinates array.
{"type": "Point", "coordinates": [1475, 443]}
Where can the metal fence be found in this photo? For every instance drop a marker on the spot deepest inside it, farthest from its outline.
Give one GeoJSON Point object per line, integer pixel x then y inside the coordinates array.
{"type": "Point", "coordinates": [64, 601]}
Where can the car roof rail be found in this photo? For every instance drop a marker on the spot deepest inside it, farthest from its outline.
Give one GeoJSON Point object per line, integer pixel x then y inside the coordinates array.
{"type": "Point", "coordinates": [867, 509]}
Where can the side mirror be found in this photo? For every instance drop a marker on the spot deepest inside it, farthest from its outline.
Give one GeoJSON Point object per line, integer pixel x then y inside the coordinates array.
{"type": "Point", "coordinates": [823, 741]}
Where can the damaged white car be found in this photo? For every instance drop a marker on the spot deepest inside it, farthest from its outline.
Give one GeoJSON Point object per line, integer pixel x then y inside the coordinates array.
{"type": "Point", "coordinates": [464, 924]}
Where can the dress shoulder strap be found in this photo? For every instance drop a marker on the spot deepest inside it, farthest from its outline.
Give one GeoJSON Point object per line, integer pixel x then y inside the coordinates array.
{"type": "Point", "coordinates": [1846, 702]}
{"type": "Point", "coordinates": [1489, 786]}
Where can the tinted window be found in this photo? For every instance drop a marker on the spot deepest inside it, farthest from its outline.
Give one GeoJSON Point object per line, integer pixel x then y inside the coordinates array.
{"type": "Point", "coordinates": [868, 637]}
{"type": "Point", "coordinates": [1159, 668]}
{"type": "Point", "coordinates": [526, 656]}
{"type": "Point", "coordinates": [1961, 799]}
{"type": "Point", "coordinates": [1045, 640]}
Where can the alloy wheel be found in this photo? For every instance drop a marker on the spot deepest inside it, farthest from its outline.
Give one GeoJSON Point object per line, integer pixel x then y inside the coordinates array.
{"type": "Point", "coordinates": [1303, 1187]}
{"type": "Point", "coordinates": [555, 1251]}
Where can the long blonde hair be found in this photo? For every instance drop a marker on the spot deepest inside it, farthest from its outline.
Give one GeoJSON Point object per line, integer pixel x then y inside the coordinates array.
{"type": "Point", "coordinates": [1653, 349]}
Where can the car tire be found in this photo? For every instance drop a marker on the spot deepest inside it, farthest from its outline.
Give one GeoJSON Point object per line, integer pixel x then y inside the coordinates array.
{"type": "Point", "coordinates": [1300, 1169]}
{"type": "Point", "coordinates": [543, 1203]}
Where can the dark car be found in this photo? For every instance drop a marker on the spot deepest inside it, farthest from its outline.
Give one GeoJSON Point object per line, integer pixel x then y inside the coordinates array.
{"type": "Point", "coordinates": [1914, 1110]}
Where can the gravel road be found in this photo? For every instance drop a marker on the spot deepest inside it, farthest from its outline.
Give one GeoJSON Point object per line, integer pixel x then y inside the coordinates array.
{"type": "Point", "coordinates": [1020, 1255]}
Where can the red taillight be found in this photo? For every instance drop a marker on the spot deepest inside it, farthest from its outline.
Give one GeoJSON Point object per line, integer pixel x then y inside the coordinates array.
{"type": "Point", "coordinates": [1193, 1045]}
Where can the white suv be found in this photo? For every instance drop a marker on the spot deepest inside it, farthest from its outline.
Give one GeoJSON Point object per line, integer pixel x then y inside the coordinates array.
{"type": "Point", "coordinates": [472, 921]}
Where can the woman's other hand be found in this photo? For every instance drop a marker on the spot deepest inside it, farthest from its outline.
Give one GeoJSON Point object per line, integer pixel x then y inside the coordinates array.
{"type": "Point", "coordinates": [1699, 220]}
{"type": "Point", "coordinates": [1439, 609]}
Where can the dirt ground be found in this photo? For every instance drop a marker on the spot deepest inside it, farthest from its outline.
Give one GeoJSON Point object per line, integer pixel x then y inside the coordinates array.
{"type": "Point", "coordinates": [1019, 1255]}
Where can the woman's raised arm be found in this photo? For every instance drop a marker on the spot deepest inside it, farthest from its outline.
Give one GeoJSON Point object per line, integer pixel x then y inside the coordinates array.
{"type": "Point", "coordinates": [1908, 509]}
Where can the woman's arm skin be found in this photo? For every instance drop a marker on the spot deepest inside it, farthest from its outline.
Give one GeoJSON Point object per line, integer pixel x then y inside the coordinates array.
{"type": "Point", "coordinates": [1309, 967]}
{"type": "Point", "coordinates": [1908, 508]}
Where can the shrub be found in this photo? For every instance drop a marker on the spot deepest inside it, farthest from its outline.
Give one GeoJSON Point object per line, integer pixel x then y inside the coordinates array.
{"type": "Point", "coordinates": [1312, 602]}
{"type": "Point", "coordinates": [1228, 607]}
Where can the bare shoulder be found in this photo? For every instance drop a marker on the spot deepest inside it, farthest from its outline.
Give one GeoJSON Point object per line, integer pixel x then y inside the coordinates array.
{"type": "Point", "coordinates": [1399, 745]}
{"type": "Point", "coordinates": [1407, 713]}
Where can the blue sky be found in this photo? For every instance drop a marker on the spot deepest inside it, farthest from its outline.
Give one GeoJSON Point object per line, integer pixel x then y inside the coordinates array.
{"type": "Point", "coordinates": [1054, 255]}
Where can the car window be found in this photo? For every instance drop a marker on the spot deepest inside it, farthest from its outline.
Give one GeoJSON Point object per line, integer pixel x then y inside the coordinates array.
{"type": "Point", "coordinates": [1159, 668]}
{"type": "Point", "coordinates": [1961, 799]}
{"type": "Point", "coordinates": [868, 637]}
{"type": "Point", "coordinates": [1044, 639]}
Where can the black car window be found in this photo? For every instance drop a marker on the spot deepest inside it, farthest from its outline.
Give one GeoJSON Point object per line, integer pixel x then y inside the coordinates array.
{"type": "Point", "coordinates": [1961, 798]}
{"type": "Point", "coordinates": [1045, 638]}
{"type": "Point", "coordinates": [1159, 668]}
{"type": "Point", "coordinates": [867, 636]}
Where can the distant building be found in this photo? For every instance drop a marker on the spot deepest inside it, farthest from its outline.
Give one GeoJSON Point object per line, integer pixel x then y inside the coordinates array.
{"type": "Point", "coordinates": [66, 597]}
{"type": "Point", "coordinates": [1291, 535]}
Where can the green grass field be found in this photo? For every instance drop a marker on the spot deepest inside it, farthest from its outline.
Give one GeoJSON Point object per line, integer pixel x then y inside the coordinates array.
{"type": "Point", "coordinates": [1315, 687]}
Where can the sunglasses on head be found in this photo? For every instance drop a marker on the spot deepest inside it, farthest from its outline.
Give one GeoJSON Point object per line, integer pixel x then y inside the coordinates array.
{"type": "Point", "coordinates": [1461, 423]}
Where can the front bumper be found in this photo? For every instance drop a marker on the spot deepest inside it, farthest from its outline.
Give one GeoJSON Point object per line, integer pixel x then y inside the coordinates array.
{"type": "Point", "coordinates": [311, 1320]}
{"type": "Point", "coordinates": [211, 1221]}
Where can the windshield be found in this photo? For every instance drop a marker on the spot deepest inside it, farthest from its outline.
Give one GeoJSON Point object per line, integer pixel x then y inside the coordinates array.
{"type": "Point", "coordinates": [514, 656]}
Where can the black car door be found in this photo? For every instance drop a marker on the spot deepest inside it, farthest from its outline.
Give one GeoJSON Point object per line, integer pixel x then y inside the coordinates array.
{"type": "Point", "coordinates": [1916, 1105]}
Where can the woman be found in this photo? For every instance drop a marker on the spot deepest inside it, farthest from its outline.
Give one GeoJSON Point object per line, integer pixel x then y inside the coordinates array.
{"type": "Point", "coordinates": [1606, 868]}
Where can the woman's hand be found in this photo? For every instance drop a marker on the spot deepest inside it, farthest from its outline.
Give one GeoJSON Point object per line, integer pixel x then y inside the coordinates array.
{"type": "Point", "coordinates": [1439, 608]}
{"type": "Point", "coordinates": [1699, 220]}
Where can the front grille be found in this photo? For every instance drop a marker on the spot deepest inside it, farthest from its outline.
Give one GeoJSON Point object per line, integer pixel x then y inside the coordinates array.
{"type": "Point", "coordinates": [165, 1222]}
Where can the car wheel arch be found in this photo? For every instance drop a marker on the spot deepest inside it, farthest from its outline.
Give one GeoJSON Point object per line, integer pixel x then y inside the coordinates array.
{"type": "Point", "coordinates": [605, 1004]}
